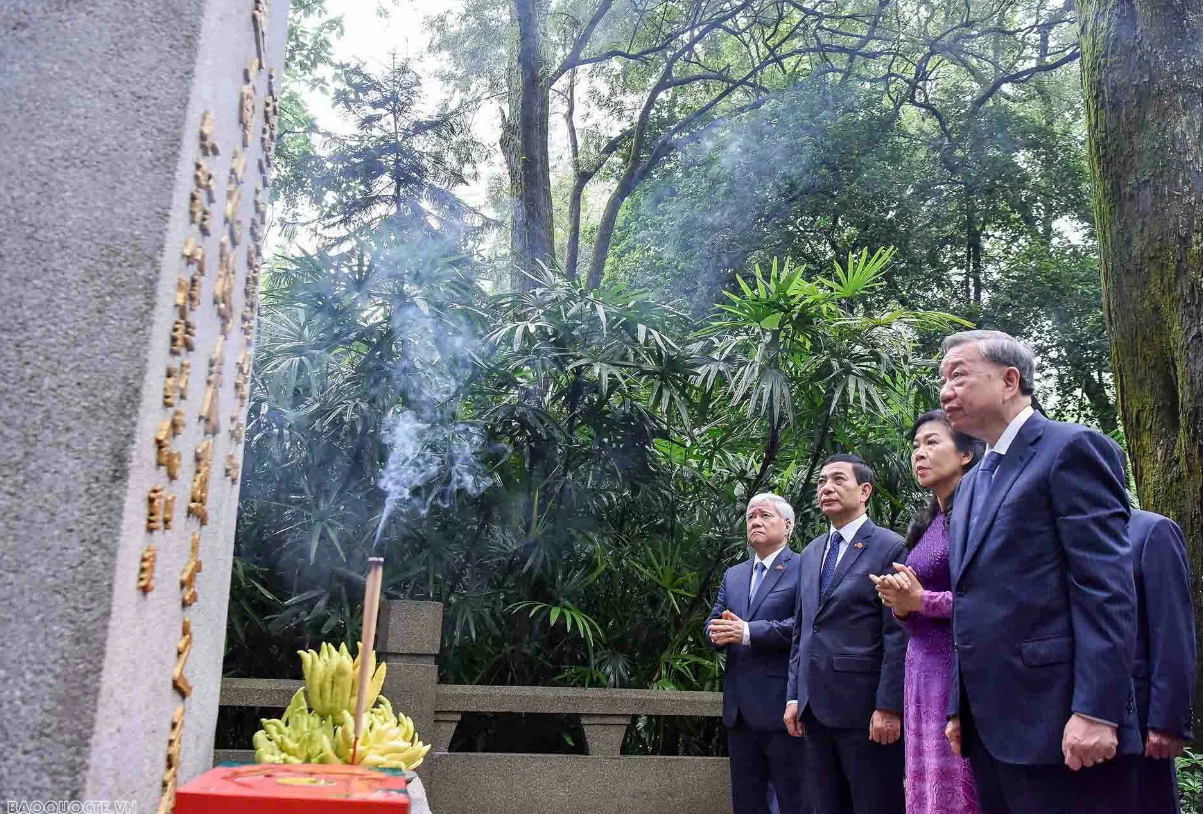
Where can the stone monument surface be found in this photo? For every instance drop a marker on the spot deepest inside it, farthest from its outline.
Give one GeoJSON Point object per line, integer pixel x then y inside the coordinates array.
{"type": "Point", "coordinates": [135, 153]}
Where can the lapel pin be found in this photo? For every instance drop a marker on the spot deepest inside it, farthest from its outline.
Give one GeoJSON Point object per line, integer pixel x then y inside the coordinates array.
{"type": "Point", "coordinates": [779, 567]}
{"type": "Point", "coordinates": [858, 545]}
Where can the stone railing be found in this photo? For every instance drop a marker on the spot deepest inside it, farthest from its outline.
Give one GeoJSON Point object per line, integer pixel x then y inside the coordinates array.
{"type": "Point", "coordinates": [471, 782]}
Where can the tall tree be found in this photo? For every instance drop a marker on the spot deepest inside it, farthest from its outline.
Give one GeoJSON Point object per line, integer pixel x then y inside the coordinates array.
{"type": "Point", "coordinates": [1141, 69]}
{"type": "Point", "coordinates": [662, 75]}
{"type": "Point", "coordinates": [525, 142]}
{"type": "Point", "coordinates": [397, 167]}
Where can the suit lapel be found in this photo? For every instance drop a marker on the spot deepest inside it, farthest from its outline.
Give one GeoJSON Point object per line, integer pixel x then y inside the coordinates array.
{"type": "Point", "coordinates": [743, 583]}
{"type": "Point", "coordinates": [850, 556]}
{"type": "Point", "coordinates": [813, 569]}
{"type": "Point", "coordinates": [1017, 457]}
{"type": "Point", "coordinates": [770, 580]}
{"type": "Point", "coordinates": [959, 523]}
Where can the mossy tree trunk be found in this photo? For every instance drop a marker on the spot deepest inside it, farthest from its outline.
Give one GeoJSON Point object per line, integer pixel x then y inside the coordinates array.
{"type": "Point", "coordinates": [1142, 74]}
{"type": "Point", "coordinates": [532, 236]}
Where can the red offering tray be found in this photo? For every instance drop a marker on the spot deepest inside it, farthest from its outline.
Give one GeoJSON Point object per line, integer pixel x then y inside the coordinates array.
{"type": "Point", "coordinates": [293, 789]}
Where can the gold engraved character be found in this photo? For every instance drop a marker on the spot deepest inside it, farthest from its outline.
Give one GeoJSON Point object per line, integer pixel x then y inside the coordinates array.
{"type": "Point", "coordinates": [260, 205]}
{"type": "Point", "coordinates": [182, 648]}
{"type": "Point", "coordinates": [246, 112]}
{"type": "Point", "coordinates": [207, 401]}
{"type": "Point", "coordinates": [233, 199]}
{"type": "Point", "coordinates": [162, 442]}
{"type": "Point", "coordinates": [171, 775]}
{"type": "Point", "coordinates": [213, 419]}
{"type": "Point", "coordinates": [198, 213]}
{"type": "Point", "coordinates": [181, 296]}
{"type": "Point", "coordinates": [154, 509]}
{"type": "Point", "coordinates": [169, 380]}
{"type": "Point", "coordinates": [237, 166]}
{"type": "Point", "coordinates": [200, 482]}
{"type": "Point", "coordinates": [146, 569]}
{"type": "Point", "coordinates": [248, 323]}
{"type": "Point", "coordinates": [194, 291]}
{"type": "Point", "coordinates": [208, 144]}
{"type": "Point", "coordinates": [183, 336]}
{"type": "Point", "coordinates": [195, 255]}
{"type": "Point", "coordinates": [259, 21]}
{"type": "Point", "coordinates": [198, 511]}
{"type": "Point", "coordinates": [168, 457]}
{"type": "Point", "coordinates": [191, 569]}
{"type": "Point", "coordinates": [202, 177]}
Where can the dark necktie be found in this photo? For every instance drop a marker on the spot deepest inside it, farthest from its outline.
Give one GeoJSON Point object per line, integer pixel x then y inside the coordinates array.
{"type": "Point", "coordinates": [757, 578]}
{"type": "Point", "coordinates": [833, 554]}
{"type": "Point", "coordinates": [981, 487]}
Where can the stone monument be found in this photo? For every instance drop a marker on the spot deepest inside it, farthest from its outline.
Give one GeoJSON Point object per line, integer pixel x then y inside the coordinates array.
{"type": "Point", "coordinates": [135, 151]}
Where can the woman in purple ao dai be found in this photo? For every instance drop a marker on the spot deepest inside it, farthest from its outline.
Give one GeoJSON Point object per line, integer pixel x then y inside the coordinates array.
{"type": "Point", "coordinates": [937, 781]}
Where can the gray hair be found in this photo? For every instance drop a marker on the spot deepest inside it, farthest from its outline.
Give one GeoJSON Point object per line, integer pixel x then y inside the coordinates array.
{"type": "Point", "coordinates": [1000, 349]}
{"type": "Point", "coordinates": [777, 502]}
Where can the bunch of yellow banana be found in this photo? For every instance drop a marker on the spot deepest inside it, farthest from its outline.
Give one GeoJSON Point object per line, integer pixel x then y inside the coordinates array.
{"type": "Point", "coordinates": [327, 734]}
{"type": "Point", "coordinates": [298, 736]}
{"type": "Point", "coordinates": [332, 678]}
{"type": "Point", "coordinates": [387, 741]}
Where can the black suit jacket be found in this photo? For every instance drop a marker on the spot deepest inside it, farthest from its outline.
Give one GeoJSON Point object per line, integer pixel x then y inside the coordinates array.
{"type": "Point", "coordinates": [1044, 606]}
{"type": "Point", "coordinates": [1164, 670]}
{"type": "Point", "coordinates": [754, 683]}
{"type": "Point", "coordinates": [848, 653]}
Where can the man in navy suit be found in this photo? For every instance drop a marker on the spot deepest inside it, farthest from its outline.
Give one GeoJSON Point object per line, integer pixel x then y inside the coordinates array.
{"type": "Point", "coordinates": [1164, 671]}
{"type": "Point", "coordinates": [847, 659]}
{"type": "Point", "coordinates": [753, 622]}
{"type": "Point", "coordinates": [1044, 612]}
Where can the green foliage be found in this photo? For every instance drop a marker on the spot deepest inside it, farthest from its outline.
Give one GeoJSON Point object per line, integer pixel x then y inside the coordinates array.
{"type": "Point", "coordinates": [1190, 779]}
{"type": "Point", "coordinates": [312, 32]}
{"type": "Point", "coordinates": [620, 448]}
{"type": "Point", "coordinates": [989, 213]}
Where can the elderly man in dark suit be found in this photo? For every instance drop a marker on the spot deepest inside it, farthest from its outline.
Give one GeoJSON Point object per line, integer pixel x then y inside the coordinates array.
{"type": "Point", "coordinates": [1164, 670]}
{"type": "Point", "coordinates": [844, 697]}
{"type": "Point", "coordinates": [752, 621]}
{"type": "Point", "coordinates": [1044, 615]}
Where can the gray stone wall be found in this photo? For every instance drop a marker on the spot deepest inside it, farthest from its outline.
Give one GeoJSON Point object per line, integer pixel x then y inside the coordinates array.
{"type": "Point", "coordinates": [101, 105]}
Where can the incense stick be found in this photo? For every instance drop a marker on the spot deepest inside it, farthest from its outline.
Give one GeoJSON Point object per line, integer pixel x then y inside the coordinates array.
{"type": "Point", "coordinates": [371, 605]}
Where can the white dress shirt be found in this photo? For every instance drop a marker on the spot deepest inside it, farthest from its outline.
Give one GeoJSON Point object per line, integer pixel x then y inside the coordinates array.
{"type": "Point", "coordinates": [1012, 430]}
{"type": "Point", "coordinates": [846, 534]}
{"type": "Point", "coordinates": [768, 564]}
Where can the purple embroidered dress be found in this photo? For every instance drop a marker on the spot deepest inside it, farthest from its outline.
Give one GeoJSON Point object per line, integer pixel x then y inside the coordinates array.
{"type": "Point", "coordinates": [937, 781]}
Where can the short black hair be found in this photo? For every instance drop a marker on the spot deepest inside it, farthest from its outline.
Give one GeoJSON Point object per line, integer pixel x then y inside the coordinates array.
{"type": "Point", "coordinates": [862, 471]}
